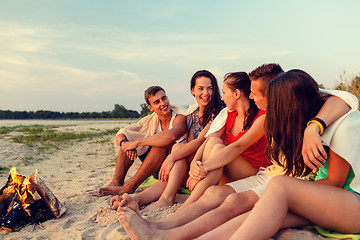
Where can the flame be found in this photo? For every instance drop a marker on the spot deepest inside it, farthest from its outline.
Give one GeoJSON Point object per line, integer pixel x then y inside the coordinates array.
{"type": "Point", "coordinates": [16, 180]}
{"type": "Point", "coordinates": [35, 176]}
{"type": "Point", "coordinates": [22, 187]}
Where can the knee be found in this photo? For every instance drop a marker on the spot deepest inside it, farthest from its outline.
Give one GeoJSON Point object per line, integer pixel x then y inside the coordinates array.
{"type": "Point", "coordinates": [181, 163]}
{"type": "Point", "coordinates": [213, 193]}
{"type": "Point", "coordinates": [244, 201]}
{"type": "Point", "coordinates": [235, 199]}
{"type": "Point", "coordinates": [176, 146]}
{"type": "Point", "coordinates": [278, 183]}
{"type": "Point", "coordinates": [214, 140]}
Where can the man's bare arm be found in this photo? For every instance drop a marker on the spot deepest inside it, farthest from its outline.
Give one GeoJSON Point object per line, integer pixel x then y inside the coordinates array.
{"type": "Point", "coordinates": [313, 151]}
{"type": "Point", "coordinates": [163, 138]}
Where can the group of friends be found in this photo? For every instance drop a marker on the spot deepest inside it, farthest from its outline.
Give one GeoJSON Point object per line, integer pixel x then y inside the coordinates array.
{"type": "Point", "coordinates": [249, 163]}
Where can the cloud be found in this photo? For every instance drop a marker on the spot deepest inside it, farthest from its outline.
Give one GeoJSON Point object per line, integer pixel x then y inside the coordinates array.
{"type": "Point", "coordinates": [97, 61]}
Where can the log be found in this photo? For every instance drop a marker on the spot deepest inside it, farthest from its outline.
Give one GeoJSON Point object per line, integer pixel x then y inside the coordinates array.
{"type": "Point", "coordinates": [5, 200]}
{"type": "Point", "coordinates": [13, 217]}
{"type": "Point", "coordinates": [56, 207]}
{"type": "Point", "coordinates": [6, 196]}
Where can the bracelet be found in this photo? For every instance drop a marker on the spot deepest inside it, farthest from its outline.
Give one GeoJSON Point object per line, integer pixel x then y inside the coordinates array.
{"type": "Point", "coordinates": [122, 141]}
{"type": "Point", "coordinates": [320, 123]}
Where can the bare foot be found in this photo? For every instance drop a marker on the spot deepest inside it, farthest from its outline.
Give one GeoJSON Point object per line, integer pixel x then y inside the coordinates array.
{"type": "Point", "coordinates": [130, 202]}
{"type": "Point", "coordinates": [136, 227]}
{"type": "Point", "coordinates": [105, 191]}
{"type": "Point", "coordinates": [115, 202]}
{"type": "Point", "coordinates": [161, 203]}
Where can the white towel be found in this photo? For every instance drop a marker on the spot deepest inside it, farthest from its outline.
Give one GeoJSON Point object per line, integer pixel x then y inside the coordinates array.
{"type": "Point", "coordinates": [343, 136]}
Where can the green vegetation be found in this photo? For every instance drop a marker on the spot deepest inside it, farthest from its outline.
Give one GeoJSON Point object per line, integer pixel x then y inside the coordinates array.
{"type": "Point", "coordinates": [48, 135]}
{"type": "Point", "coordinates": [4, 169]}
{"type": "Point", "coordinates": [118, 112]}
{"type": "Point", "coordinates": [352, 86]}
{"type": "Point", "coordinates": [144, 110]}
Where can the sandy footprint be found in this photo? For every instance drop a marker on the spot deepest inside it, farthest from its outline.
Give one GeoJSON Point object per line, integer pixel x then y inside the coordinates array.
{"type": "Point", "coordinates": [92, 233]}
{"type": "Point", "coordinates": [114, 231]}
{"type": "Point", "coordinates": [68, 223]}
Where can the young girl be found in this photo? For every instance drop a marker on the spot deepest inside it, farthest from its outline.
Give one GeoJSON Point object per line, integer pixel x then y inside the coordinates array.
{"type": "Point", "coordinates": [235, 151]}
{"type": "Point", "coordinates": [333, 200]}
{"type": "Point", "coordinates": [204, 88]}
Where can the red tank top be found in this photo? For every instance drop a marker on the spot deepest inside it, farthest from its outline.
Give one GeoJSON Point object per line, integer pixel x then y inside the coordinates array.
{"type": "Point", "coordinates": [254, 154]}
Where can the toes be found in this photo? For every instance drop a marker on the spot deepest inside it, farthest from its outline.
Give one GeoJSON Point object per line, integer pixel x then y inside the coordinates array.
{"type": "Point", "coordinates": [114, 200]}
{"type": "Point", "coordinates": [122, 203]}
{"type": "Point", "coordinates": [127, 197]}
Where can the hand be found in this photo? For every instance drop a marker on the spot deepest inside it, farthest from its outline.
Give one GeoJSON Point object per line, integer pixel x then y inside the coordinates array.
{"type": "Point", "coordinates": [191, 183]}
{"type": "Point", "coordinates": [197, 171]}
{"type": "Point", "coordinates": [126, 146]}
{"type": "Point", "coordinates": [166, 168]}
{"type": "Point", "coordinates": [313, 151]}
{"type": "Point", "coordinates": [132, 154]}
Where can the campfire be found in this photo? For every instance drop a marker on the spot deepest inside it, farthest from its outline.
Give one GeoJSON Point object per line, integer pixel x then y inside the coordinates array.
{"type": "Point", "coordinates": [26, 201]}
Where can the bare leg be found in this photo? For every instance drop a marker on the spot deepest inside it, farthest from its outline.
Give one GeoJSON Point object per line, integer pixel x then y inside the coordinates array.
{"type": "Point", "coordinates": [123, 163]}
{"type": "Point", "coordinates": [176, 178]}
{"type": "Point", "coordinates": [233, 205]}
{"type": "Point", "coordinates": [212, 146]}
{"type": "Point", "coordinates": [150, 194]}
{"type": "Point", "coordinates": [211, 199]}
{"type": "Point", "coordinates": [150, 165]}
{"type": "Point", "coordinates": [164, 192]}
{"type": "Point", "coordinates": [307, 199]}
{"type": "Point", "coordinates": [226, 230]}
{"type": "Point", "coordinates": [212, 178]}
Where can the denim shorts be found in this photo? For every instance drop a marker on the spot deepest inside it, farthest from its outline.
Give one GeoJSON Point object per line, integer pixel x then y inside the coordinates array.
{"type": "Point", "coordinates": [357, 195]}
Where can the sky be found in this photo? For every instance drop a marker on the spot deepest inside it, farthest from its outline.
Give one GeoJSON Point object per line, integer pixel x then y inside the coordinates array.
{"type": "Point", "coordinates": [87, 55]}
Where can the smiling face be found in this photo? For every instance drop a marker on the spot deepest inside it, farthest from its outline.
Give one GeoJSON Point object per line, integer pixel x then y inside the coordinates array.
{"type": "Point", "coordinates": [256, 94]}
{"type": "Point", "coordinates": [229, 97]}
{"type": "Point", "coordinates": [203, 91]}
{"type": "Point", "coordinates": [159, 103]}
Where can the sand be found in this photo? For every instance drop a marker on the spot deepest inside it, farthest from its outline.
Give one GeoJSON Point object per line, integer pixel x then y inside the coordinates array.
{"type": "Point", "coordinates": [72, 171]}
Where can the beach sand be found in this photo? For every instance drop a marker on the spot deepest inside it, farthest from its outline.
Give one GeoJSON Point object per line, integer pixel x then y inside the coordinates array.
{"type": "Point", "coordinates": [73, 170]}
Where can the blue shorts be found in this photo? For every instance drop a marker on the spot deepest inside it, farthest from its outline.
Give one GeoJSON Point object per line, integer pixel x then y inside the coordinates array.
{"type": "Point", "coordinates": [357, 195]}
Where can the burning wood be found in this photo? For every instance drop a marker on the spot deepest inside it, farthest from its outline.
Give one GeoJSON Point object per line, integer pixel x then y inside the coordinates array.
{"type": "Point", "coordinates": [27, 200]}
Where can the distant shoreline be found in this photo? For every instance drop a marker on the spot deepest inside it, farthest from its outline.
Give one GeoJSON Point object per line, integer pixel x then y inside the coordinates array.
{"type": "Point", "coordinates": [26, 122]}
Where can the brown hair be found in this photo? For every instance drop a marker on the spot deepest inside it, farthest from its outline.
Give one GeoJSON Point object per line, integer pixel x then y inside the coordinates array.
{"type": "Point", "coordinates": [241, 81]}
{"type": "Point", "coordinates": [293, 99]}
{"type": "Point", "coordinates": [265, 73]}
{"type": "Point", "coordinates": [215, 105]}
{"type": "Point", "coordinates": [151, 91]}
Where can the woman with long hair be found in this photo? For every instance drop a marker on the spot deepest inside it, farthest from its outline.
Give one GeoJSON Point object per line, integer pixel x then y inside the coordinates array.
{"type": "Point", "coordinates": [234, 150]}
{"type": "Point", "coordinates": [333, 200]}
{"type": "Point", "coordinates": [205, 89]}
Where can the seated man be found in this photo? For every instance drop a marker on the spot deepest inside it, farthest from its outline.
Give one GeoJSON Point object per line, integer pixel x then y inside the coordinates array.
{"type": "Point", "coordinates": [151, 138]}
{"type": "Point", "coordinates": [220, 204]}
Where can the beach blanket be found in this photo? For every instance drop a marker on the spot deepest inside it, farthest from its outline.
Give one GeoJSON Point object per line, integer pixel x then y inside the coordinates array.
{"type": "Point", "coordinates": [151, 180]}
{"type": "Point", "coordinates": [327, 233]}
